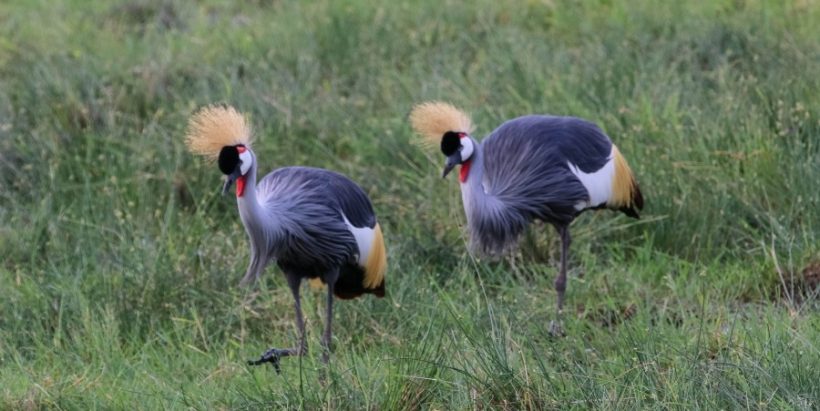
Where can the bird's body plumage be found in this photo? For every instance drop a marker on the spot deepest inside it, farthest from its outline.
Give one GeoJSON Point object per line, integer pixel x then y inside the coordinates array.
{"type": "Point", "coordinates": [306, 221]}
{"type": "Point", "coordinates": [528, 168]}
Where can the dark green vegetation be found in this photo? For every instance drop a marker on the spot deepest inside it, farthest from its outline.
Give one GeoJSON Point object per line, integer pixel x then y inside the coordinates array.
{"type": "Point", "coordinates": [120, 259]}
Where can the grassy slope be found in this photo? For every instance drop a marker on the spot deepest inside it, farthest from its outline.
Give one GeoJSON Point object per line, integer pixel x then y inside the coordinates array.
{"type": "Point", "coordinates": [120, 259]}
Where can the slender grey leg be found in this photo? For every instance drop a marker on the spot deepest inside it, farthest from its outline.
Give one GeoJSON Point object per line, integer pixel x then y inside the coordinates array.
{"type": "Point", "coordinates": [556, 327]}
{"type": "Point", "coordinates": [273, 355]}
{"type": "Point", "coordinates": [294, 282]}
{"type": "Point", "coordinates": [561, 281]}
{"type": "Point", "coordinates": [328, 334]}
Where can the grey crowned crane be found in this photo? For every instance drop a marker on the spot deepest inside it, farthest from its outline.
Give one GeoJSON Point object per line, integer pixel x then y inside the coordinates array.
{"type": "Point", "coordinates": [314, 223]}
{"type": "Point", "coordinates": [532, 167]}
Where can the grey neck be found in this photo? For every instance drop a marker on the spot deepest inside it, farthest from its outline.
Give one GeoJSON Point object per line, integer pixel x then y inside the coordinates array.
{"type": "Point", "coordinates": [249, 208]}
{"type": "Point", "coordinates": [264, 227]}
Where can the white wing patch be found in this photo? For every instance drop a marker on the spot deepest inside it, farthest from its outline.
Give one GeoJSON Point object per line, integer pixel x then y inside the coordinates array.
{"type": "Point", "coordinates": [364, 239]}
{"type": "Point", "coordinates": [598, 183]}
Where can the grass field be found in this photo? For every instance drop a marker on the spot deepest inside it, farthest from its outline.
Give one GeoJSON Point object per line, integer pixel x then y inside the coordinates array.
{"type": "Point", "coordinates": [120, 259]}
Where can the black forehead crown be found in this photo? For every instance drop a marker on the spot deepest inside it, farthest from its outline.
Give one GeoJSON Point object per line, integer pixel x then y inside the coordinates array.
{"type": "Point", "coordinates": [450, 143]}
{"type": "Point", "coordinates": [228, 159]}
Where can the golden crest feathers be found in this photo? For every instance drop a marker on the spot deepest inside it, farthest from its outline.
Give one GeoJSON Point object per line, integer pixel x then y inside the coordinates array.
{"type": "Point", "coordinates": [434, 118]}
{"type": "Point", "coordinates": [214, 127]}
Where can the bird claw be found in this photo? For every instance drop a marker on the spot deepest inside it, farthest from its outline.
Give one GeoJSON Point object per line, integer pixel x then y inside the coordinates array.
{"type": "Point", "coordinates": [272, 356]}
{"type": "Point", "coordinates": [556, 329]}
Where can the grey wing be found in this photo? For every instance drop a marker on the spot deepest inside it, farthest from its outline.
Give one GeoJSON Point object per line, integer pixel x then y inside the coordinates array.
{"type": "Point", "coordinates": [316, 237]}
{"type": "Point", "coordinates": [352, 200]}
{"type": "Point", "coordinates": [526, 164]}
{"type": "Point", "coordinates": [366, 273]}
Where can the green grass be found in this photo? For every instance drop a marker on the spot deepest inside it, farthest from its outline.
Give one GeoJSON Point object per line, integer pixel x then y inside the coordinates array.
{"type": "Point", "coordinates": [120, 260]}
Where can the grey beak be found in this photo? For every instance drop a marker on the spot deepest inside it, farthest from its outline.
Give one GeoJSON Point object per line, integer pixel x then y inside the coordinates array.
{"type": "Point", "coordinates": [452, 161]}
{"type": "Point", "coordinates": [237, 172]}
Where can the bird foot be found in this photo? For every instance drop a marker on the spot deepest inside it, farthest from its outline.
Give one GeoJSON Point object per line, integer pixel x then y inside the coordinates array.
{"type": "Point", "coordinates": [556, 329]}
{"type": "Point", "coordinates": [273, 356]}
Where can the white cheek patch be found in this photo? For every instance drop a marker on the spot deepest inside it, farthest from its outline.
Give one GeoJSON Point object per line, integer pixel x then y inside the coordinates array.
{"type": "Point", "coordinates": [466, 148]}
{"type": "Point", "coordinates": [598, 183]}
{"type": "Point", "coordinates": [247, 161]}
{"type": "Point", "coordinates": [364, 239]}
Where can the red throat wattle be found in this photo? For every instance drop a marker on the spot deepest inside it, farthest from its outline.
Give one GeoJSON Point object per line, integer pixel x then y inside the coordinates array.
{"type": "Point", "coordinates": [240, 186]}
{"type": "Point", "coordinates": [464, 171]}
